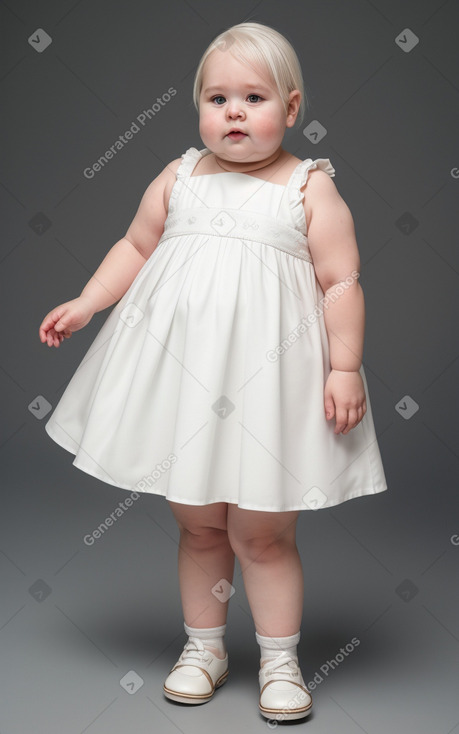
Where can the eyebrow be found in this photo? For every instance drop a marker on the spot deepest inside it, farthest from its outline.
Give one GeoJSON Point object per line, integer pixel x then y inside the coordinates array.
{"type": "Point", "coordinates": [247, 86]}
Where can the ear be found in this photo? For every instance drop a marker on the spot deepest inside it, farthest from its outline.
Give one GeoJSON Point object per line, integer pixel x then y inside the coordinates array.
{"type": "Point", "coordinates": [293, 106]}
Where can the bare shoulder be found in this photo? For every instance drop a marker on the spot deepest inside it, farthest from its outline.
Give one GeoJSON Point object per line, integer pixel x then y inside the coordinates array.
{"type": "Point", "coordinates": [170, 176]}
{"type": "Point", "coordinates": [147, 226]}
{"type": "Point", "coordinates": [172, 167]}
{"type": "Point", "coordinates": [330, 228]}
{"type": "Point", "coordinates": [320, 192]}
{"type": "Point", "coordinates": [161, 186]}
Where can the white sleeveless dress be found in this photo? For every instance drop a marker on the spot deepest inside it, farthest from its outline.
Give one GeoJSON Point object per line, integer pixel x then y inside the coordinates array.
{"type": "Point", "coordinates": [206, 381]}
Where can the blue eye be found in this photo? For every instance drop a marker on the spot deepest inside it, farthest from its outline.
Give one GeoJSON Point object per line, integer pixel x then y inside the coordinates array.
{"type": "Point", "coordinates": [220, 96]}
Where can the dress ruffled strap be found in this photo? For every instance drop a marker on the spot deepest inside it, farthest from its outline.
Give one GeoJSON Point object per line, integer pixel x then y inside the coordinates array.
{"type": "Point", "coordinates": [295, 184]}
{"type": "Point", "coordinates": [186, 166]}
{"type": "Point", "coordinates": [189, 160]}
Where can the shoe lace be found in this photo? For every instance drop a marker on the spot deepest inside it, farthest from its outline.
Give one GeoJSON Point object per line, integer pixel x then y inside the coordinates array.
{"type": "Point", "coordinates": [283, 663]}
{"type": "Point", "coordinates": [194, 650]}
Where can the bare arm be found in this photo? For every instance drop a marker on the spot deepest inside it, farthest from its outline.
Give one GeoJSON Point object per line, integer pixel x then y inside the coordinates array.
{"type": "Point", "coordinates": [119, 267]}
{"type": "Point", "coordinates": [114, 275]}
{"type": "Point", "coordinates": [124, 260]}
{"type": "Point", "coordinates": [333, 246]}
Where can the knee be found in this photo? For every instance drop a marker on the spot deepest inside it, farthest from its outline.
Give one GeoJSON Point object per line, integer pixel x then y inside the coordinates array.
{"type": "Point", "coordinates": [203, 537]}
{"type": "Point", "coordinates": [265, 549]}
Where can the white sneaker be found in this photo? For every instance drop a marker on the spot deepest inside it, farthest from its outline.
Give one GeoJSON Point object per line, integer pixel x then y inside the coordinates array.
{"type": "Point", "coordinates": [196, 674]}
{"type": "Point", "coordinates": [283, 693]}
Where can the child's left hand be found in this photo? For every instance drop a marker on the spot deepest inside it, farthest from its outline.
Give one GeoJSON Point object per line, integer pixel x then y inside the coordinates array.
{"type": "Point", "coordinates": [344, 395]}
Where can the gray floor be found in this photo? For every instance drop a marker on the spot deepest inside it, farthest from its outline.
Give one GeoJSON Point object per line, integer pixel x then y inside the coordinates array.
{"type": "Point", "coordinates": [80, 623]}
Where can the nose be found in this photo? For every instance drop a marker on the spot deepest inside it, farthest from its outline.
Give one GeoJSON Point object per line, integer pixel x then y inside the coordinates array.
{"type": "Point", "coordinates": [234, 109]}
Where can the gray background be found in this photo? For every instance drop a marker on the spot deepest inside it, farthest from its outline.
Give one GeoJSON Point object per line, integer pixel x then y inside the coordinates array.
{"type": "Point", "coordinates": [74, 619]}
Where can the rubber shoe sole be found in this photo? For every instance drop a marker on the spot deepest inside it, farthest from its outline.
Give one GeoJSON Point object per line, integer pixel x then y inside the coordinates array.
{"type": "Point", "coordinates": [195, 698]}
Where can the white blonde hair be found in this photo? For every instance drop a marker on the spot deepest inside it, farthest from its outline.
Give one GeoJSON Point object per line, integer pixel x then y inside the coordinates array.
{"type": "Point", "coordinates": [261, 47]}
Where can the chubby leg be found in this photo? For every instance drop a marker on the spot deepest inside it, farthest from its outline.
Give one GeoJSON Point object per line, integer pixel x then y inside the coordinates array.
{"type": "Point", "coordinates": [204, 557]}
{"type": "Point", "coordinates": [265, 545]}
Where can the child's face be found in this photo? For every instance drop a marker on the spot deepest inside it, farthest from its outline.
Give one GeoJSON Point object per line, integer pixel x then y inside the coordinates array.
{"type": "Point", "coordinates": [232, 102]}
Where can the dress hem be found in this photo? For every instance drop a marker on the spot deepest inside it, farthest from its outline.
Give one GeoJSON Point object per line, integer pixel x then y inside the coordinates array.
{"type": "Point", "coordinates": [102, 477]}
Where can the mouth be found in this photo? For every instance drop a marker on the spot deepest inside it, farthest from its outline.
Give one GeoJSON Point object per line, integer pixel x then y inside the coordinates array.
{"type": "Point", "coordinates": [236, 134]}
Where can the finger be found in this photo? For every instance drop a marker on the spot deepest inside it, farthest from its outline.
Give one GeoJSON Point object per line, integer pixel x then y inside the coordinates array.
{"type": "Point", "coordinates": [49, 321]}
{"type": "Point", "coordinates": [54, 337]}
{"type": "Point", "coordinates": [341, 420]}
{"type": "Point", "coordinates": [347, 427]}
{"type": "Point", "coordinates": [352, 420]}
{"type": "Point", "coordinates": [353, 416]}
{"type": "Point", "coordinates": [361, 411]}
{"type": "Point", "coordinates": [329, 408]}
{"type": "Point", "coordinates": [44, 330]}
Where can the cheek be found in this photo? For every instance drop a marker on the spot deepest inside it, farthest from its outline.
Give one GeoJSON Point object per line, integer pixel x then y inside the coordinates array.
{"type": "Point", "coordinates": [268, 127]}
{"type": "Point", "coordinates": [271, 123]}
{"type": "Point", "coordinates": [208, 123]}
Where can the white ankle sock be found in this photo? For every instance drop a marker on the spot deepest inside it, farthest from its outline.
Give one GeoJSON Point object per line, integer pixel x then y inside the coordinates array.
{"type": "Point", "coordinates": [212, 637]}
{"type": "Point", "coordinates": [270, 647]}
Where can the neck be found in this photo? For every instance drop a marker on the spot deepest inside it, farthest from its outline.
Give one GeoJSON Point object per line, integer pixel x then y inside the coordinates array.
{"type": "Point", "coordinates": [251, 165]}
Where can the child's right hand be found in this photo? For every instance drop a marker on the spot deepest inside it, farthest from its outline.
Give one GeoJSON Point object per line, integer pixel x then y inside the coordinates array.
{"type": "Point", "coordinates": [65, 319]}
